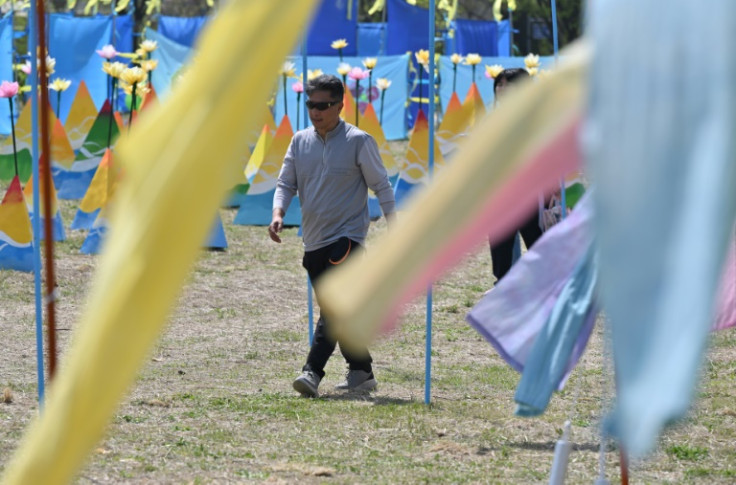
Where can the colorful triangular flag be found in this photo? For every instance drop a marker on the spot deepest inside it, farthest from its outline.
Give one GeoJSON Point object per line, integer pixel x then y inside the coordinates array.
{"type": "Point", "coordinates": [93, 242]}
{"type": "Point", "coordinates": [348, 108]}
{"type": "Point", "coordinates": [369, 123]}
{"type": "Point", "coordinates": [257, 204]}
{"type": "Point", "coordinates": [473, 106]}
{"type": "Point", "coordinates": [57, 223]}
{"type": "Point", "coordinates": [102, 135]}
{"type": "Point", "coordinates": [16, 238]}
{"type": "Point", "coordinates": [416, 169]}
{"type": "Point", "coordinates": [81, 117]}
{"type": "Point", "coordinates": [217, 238]}
{"type": "Point", "coordinates": [453, 127]}
{"type": "Point", "coordinates": [98, 194]}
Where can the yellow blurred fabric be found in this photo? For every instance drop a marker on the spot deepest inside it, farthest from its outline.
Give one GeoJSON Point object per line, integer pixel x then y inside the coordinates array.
{"type": "Point", "coordinates": [145, 263]}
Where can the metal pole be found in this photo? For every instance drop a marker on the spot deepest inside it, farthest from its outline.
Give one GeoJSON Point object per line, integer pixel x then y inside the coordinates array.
{"type": "Point", "coordinates": [555, 41]}
{"type": "Point", "coordinates": [511, 32]}
{"type": "Point", "coordinates": [428, 351]}
{"type": "Point", "coordinates": [33, 42]}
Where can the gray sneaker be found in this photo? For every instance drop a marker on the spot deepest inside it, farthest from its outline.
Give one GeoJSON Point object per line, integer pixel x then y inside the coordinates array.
{"type": "Point", "coordinates": [358, 380]}
{"type": "Point", "coordinates": [307, 384]}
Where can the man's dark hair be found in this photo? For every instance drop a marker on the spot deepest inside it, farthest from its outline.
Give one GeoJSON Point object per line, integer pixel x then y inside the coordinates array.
{"type": "Point", "coordinates": [511, 75]}
{"type": "Point", "coordinates": [326, 82]}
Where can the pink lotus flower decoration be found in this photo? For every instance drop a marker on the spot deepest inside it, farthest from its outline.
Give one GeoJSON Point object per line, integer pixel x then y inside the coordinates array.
{"type": "Point", "coordinates": [358, 74]}
{"type": "Point", "coordinates": [107, 52]}
{"type": "Point", "coordinates": [26, 68]}
{"type": "Point", "coordinates": [297, 87]}
{"type": "Point", "coordinates": [8, 89]}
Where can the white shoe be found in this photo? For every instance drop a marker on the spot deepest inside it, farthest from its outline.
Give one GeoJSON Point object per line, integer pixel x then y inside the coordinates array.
{"type": "Point", "coordinates": [358, 380]}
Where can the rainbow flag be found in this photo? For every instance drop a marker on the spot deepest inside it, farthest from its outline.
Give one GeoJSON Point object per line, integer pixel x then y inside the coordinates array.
{"type": "Point", "coordinates": [416, 169]}
{"type": "Point", "coordinates": [74, 183]}
{"type": "Point", "coordinates": [257, 205]}
{"type": "Point", "coordinates": [81, 117]}
{"type": "Point", "coordinates": [57, 223]}
{"type": "Point", "coordinates": [16, 239]}
{"type": "Point", "coordinates": [100, 190]}
{"type": "Point", "coordinates": [454, 126]}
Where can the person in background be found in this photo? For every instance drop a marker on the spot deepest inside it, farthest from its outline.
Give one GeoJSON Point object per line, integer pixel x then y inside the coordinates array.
{"type": "Point", "coordinates": [331, 165]}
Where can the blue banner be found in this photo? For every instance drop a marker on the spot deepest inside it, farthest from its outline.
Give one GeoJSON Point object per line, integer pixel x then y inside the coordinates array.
{"type": "Point", "coordinates": [408, 27]}
{"type": "Point", "coordinates": [182, 30]}
{"type": "Point", "coordinates": [475, 36]}
{"type": "Point", "coordinates": [6, 68]}
{"type": "Point", "coordinates": [171, 58]}
{"type": "Point", "coordinates": [335, 19]}
{"type": "Point", "coordinates": [372, 39]}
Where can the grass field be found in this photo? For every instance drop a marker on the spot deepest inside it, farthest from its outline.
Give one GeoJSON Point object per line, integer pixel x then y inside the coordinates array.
{"type": "Point", "coordinates": [214, 402]}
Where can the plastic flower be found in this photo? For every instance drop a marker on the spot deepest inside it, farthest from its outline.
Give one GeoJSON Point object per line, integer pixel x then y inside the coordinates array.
{"type": "Point", "coordinates": [422, 56]}
{"type": "Point", "coordinates": [8, 89]}
{"type": "Point", "coordinates": [149, 46]}
{"type": "Point", "coordinates": [113, 69]}
{"type": "Point", "coordinates": [472, 59]}
{"type": "Point", "coordinates": [358, 74]}
{"type": "Point", "coordinates": [456, 59]}
{"type": "Point", "coordinates": [343, 69]}
{"type": "Point", "coordinates": [107, 52]}
{"type": "Point", "coordinates": [533, 71]}
{"type": "Point", "coordinates": [370, 62]}
{"type": "Point", "coordinates": [383, 83]}
{"type": "Point", "coordinates": [133, 75]}
{"type": "Point", "coordinates": [493, 71]}
{"type": "Point", "coordinates": [288, 69]}
{"type": "Point", "coordinates": [26, 68]}
{"type": "Point", "coordinates": [313, 74]}
{"type": "Point", "coordinates": [59, 85]}
{"type": "Point", "coordinates": [149, 65]}
{"type": "Point", "coordinates": [141, 88]}
{"type": "Point", "coordinates": [50, 65]}
{"type": "Point", "coordinates": [531, 61]}
{"type": "Point", "coordinates": [339, 44]}
{"type": "Point", "coordinates": [297, 87]}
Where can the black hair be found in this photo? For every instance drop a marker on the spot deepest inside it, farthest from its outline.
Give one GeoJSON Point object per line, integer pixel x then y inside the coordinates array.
{"type": "Point", "coordinates": [326, 82]}
{"type": "Point", "coordinates": [511, 75]}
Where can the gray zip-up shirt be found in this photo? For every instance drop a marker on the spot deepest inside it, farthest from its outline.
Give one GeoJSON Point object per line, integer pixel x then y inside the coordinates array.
{"type": "Point", "coordinates": [332, 177]}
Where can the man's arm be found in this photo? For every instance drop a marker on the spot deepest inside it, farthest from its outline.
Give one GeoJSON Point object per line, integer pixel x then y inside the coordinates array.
{"type": "Point", "coordinates": [286, 188]}
{"type": "Point", "coordinates": [374, 173]}
{"type": "Point", "coordinates": [277, 224]}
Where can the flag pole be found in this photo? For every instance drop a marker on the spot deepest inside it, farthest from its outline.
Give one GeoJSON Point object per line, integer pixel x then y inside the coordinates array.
{"type": "Point", "coordinates": [45, 169]}
{"type": "Point", "coordinates": [33, 37]}
{"type": "Point", "coordinates": [428, 351]}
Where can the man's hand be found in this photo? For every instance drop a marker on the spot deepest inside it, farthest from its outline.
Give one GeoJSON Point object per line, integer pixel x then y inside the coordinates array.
{"type": "Point", "coordinates": [277, 224]}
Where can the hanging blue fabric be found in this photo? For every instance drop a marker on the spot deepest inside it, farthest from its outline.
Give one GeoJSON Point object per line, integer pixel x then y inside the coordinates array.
{"type": "Point", "coordinates": [408, 27]}
{"type": "Point", "coordinates": [572, 316]}
{"type": "Point", "coordinates": [182, 30]}
{"type": "Point", "coordinates": [476, 36]}
{"type": "Point", "coordinates": [332, 22]}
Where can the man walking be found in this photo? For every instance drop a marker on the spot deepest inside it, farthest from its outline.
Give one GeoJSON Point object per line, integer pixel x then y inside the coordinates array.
{"type": "Point", "coordinates": [331, 165]}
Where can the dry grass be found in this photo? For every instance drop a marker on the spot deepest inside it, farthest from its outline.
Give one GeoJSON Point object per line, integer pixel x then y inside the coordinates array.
{"type": "Point", "coordinates": [214, 402]}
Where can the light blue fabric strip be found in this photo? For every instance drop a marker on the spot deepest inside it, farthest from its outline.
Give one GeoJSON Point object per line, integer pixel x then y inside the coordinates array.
{"type": "Point", "coordinates": [661, 147]}
{"type": "Point", "coordinates": [548, 360]}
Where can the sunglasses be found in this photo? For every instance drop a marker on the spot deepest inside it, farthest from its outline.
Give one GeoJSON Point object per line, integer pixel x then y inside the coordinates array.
{"type": "Point", "coordinates": [320, 105]}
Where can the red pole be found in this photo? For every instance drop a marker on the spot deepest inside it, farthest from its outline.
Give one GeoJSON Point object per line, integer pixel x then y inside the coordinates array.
{"type": "Point", "coordinates": [45, 168]}
{"type": "Point", "coordinates": [624, 466]}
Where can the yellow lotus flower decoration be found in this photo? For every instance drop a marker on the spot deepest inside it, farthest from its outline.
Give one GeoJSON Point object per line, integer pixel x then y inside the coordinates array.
{"type": "Point", "coordinates": [149, 45]}
{"type": "Point", "coordinates": [456, 59]}
{"type": "Point", "coordinates": [473, 59]}
{"type": "Point", "coordinates": [113, 69]}
{"type": "Point", "coordinates": [141, 88]}
{"type": "Point", "coordinates": [133, 75]}
{"type": "Point", "coordinates": [311, 74]}
{"type": "Point", "coordinates": [343, 69]}
{"type": "Point", "coordinates": [149, 64]}
{"type": "Point", "coordinates": [339, 44]}
{"type": "Point", "coordinates": [533, 71]}
{"type": "Point", "coordinates": [531, 61]}
{"type": "Point", "coordinates": [383, 83]}
{"type": "Point", "coordinates": [370, 62]}
{"type": "Point", "coordinates": [60, 85]}
{"type": "Point", "coordinates": [422, 56]}
{"type": "Point", "coordinates": [288, 69]}
{"type": "Point", "coordinates": [494, 70]}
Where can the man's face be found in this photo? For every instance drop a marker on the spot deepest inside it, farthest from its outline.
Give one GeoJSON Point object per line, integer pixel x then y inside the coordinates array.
{"type": "Point", "coordinates": [327, 119]}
